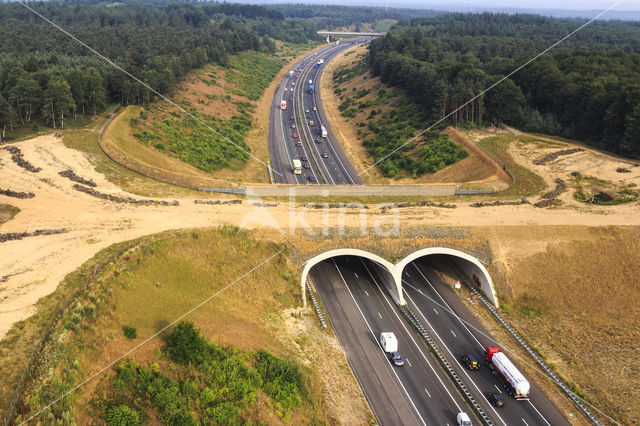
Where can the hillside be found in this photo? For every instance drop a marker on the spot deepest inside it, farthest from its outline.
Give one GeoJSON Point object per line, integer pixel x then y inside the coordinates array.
{"type": "Point", "coordinates": [360, 107]}
{"type": "Point", "coordinates": [234, 100]}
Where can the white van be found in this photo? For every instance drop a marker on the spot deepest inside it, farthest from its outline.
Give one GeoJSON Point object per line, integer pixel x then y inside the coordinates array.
{"type": "Point", "coordinates": [463, 419]}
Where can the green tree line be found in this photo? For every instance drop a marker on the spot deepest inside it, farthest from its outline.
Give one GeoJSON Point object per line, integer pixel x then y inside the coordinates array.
{"type": "Point", "coordinates": [45, 76]}
{"type": "Point", "coordinates": [588, 88]}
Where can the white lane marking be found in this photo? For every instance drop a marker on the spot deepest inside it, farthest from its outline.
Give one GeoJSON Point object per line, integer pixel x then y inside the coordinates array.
{"type": "Point", "coordinates": [434, 310]}
{"type": "Point", "coordinates": [421, 292]}
{"type": "Point", "coordinates": [525, 422]}
{"type": "Point", "coordinates": [402, 323]}
{"type": "Point", "coordinates": [378, 343]}
{"type": "Point", "coordinates": [539, 413]}
{"type": "Point", "coordinates": [454, 334]}
{"type": "Point", "coordinates": [451, 354]}
{"type": "Point", "coordinates": [355, 274]}
{"type": "Point", "coordinates": [366, 292]}
{"type": "Point", "coordinates": [498, 388]}
{"type": "Point", "coordinates": [407, 359]}
{"type": "Point", "coordinates": [428, 394]}
{"type": "Point", "coordinates": [379, 315]}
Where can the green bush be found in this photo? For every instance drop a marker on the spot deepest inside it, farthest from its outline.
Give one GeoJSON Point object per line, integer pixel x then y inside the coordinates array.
{"type": "Point", "coordinates": [122, 415]}
{"type": "Point", "coordinates": [186, 345]}
{"type": "Point", "coordinates": [130, 332]}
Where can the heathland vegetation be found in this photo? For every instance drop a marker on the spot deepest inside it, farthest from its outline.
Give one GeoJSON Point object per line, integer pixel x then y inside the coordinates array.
{"type": "Point", "coordinates": [252, 373]}
{"type": "Point", "coordinates": [587, 88]}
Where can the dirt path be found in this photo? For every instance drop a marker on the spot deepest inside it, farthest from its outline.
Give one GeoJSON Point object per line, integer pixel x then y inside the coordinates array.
{"type": "Point", "coordinates": [94, 223]}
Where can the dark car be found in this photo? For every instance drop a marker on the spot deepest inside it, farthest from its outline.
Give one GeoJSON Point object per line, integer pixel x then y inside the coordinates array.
{"type": "Point", "coordinates": [311, 178]}
{"type": "Point", "coordinates": [294, 135]}
{"type": "Point", "coordinates": [325, 154]}
{"type": "Point", "coordinates": [397, 360]}
{"type": "Point", "coordinates": [298, 143]}
{"type": "Point", "coordinates": [303, 158]}
{"type": "Point", "coordinates": [470, 362]}
{"type": "Point", "coordinates": [495, 399]}
{"type": "Point", "coordinates": [318, 140]}
{"type": "Point", "coordinates": [306, 165]}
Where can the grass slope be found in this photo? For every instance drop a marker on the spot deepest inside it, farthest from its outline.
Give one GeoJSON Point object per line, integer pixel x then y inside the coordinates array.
{"type": "Point", "coordinates": [154, 283]}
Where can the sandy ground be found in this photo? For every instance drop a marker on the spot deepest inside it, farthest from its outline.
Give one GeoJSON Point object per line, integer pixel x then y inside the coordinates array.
{"type": "Point", "coordinates": [41, 262]}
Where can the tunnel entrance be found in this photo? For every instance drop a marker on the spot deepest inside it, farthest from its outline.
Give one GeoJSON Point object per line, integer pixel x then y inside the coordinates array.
{"type": "Point", "coordinates": [390, 275]}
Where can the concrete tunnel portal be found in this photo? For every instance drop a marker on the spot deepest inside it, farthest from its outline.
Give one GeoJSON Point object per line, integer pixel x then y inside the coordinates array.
{"type": "Point", "coordinates": [466, 264]}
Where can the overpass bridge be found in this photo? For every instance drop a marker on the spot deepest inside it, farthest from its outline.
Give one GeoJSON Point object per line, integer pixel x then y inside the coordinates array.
{"type": "Point", "coordinates": [347, 34]}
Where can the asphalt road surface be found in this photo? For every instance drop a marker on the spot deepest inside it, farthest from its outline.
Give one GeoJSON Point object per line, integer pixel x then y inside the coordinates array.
{"type": "Point", "coordinates": [458, 333]}
{"type": "Point", "coordinates": [323, 158]}
{"type": "Point", "coordinates": [359, 309]}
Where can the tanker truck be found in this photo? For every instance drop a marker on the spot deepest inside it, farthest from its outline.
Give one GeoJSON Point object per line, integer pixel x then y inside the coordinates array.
{"type": "Point", "coordinates": [512, 379]}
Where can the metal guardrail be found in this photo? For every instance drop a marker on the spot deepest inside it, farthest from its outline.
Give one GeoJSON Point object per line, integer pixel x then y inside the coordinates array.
{"type": "Point", "coordinates": [528, 348]}
{"type": "Point", "coordinates": [410, 315]}
{"type": "Point", "coordinates": [473, 191]}
{"type": "Point", "coordinates": [316, 305]}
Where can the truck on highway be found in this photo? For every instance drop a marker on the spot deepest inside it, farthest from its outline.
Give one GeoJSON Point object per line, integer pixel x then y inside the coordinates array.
{"type": "Point", "coordinates": [512, 379]}
{"type": "Point", "coordinates": [320, 62]}
{"type": "Point", "coordinates": [311, 89]}
{"type": "Point", "coordinates": [389, 344]}
{"type": "Point", "coordinates": [283, 104]}
{"type": "Point", "coordinates": [323, 131]}
{"type": "Point", "coordinates": [291, 74]}
{"type": "Point", "coordinates": [296, 165]}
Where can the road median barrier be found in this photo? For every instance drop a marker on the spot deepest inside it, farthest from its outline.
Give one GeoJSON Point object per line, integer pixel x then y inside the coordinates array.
{"type": "Point", "coordinates": [563, 386]}
{"type": "Point", "coordinates": [410, 315]}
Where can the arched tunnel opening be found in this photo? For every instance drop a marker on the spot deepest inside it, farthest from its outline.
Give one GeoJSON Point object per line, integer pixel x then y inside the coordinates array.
{"type": "Point", "coordinates": [433, 264]}
{"type": "Point", "coordinates": [354, 276]}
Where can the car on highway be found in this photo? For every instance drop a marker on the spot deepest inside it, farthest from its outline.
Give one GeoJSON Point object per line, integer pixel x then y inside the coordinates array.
{"type": "Point", "coordinates": [311, 123]}
{"type": "Point", "coordinates": [325, 154]}
{"type": "Point", "coordinates": [291, 99]}
{"type": "Point", "coordinates": [297, 75]}
{"type": "Point", "coordinates": [303, 158]}
{"type": "Point", "coordinates": [298, 143]}
{"type": "Point", "coordinates": [311, 178]}
{"type": "Point", "coordinates": [396, 358]}
{"type": "Point", "coordinates": [318, 140]}
{"type": "Point", "coordinates": [470, 362]}
{"type": "Point", "coordinates": [306, 165]}
{"type": "Point", "coordinates": [294, 135]}
{"type": "Point", "coordinates": [307, 111]}
{"type": "Point", "coordinates": [495, 399]}
{"type": "Point", "coordinates": [315, 109]}
{"type": "Point", "coordinates": [293, 126]}
{"type": "Point", "coordinates": [463, 419]}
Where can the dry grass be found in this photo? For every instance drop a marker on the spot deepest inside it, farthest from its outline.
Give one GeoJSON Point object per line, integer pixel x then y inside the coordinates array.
{"type": "Point", "coordinates": [220, 100]}
{"type": "Point", "coordinates": [574, 292]}
{"type": "Point", "coordinates": [7, 212]}
{"type": "Point", "coordinates": [476, 169]}
{"type": "Point", "coordinates": [525, 182]}
{"type": "Point", "coordinates": [166, 275]}
{"type": "Point", "coordinates": [86, 141]}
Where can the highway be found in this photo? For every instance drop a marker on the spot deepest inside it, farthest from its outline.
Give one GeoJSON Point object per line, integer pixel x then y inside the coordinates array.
{"type": "Point", "coordinates": [325, 160]}
{"type": "Point", "coordinates": [359, 309]}
{"type": "Point", "coordinates": [457, 333]}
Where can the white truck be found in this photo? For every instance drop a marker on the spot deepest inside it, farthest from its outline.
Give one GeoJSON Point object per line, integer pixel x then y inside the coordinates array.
{"type": "Point", "coordinates": [388, 342]}
{"type": "Point", "coordinates": [291, 74]}
{"type": "Point", "coordinates": [323, 131]}
{"type": "Point", "coordinates": [512, 379]}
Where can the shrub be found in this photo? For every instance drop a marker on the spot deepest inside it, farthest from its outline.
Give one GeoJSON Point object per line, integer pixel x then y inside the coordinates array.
{"type": "Point", "coordinates": [130, 332]}
{"type": "Point", "coordinates": [122, 415]}
{"type": "Point", "coordinates": [186, 345]}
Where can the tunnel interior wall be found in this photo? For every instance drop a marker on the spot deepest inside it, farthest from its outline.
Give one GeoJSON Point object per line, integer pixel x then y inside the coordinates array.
{"type": "Point", "coordinates": [478, 277]}
{"type": "Point", "coordinates": [386, 278]}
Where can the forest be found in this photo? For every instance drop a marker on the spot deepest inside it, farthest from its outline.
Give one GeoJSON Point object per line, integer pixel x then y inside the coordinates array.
{"type": "Point", "coordinates": [587, 88]}
{"type": "Point", "coordinates": [46, 76]}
